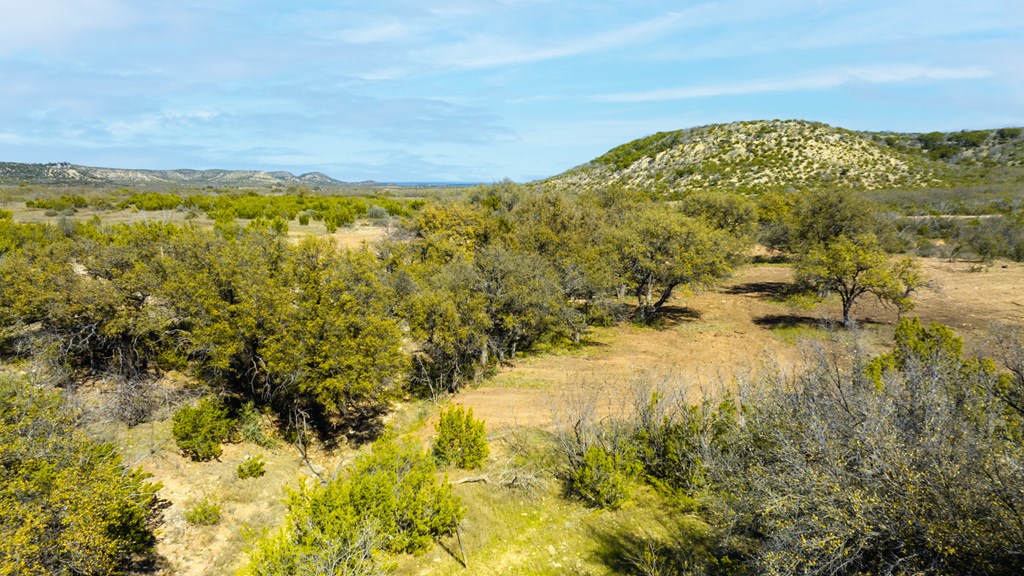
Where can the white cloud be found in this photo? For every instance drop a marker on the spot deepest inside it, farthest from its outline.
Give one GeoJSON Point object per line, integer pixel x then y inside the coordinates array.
{"type": "Point", "coordinates": [47, 24]}
{"type": "Point", "coordinates": [820, 80]}
{"type": "Point", "coordinates": [487, 51]}
{"type": "Point", "coordinates": [373, 34]}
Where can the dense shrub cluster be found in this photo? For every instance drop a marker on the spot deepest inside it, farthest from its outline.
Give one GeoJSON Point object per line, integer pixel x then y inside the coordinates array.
{"type": "Point", "coordinates": [391, 501]}
{"type": "Point", "coordinates": [310, 329]}
{"type": "Point", "coordinates": [333, 211]}
{"type": "Point", "coordinates": [985, 237]}
{"type": "Point", "coordinates": [281, 325]}
{"type": "Point", "coordinates": [67, 504]}
{"type": "Point", "coordinates": [199, 430]}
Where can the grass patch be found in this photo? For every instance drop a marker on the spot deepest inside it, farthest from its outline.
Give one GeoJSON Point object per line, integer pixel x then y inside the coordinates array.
{"type": "Point", "coordinates": [540, 531]}
{"type": "Point", "coordinates": [704, 328]}
{"type": "Point", "coordinates": [793, 335]}
{"type": "Point", "coordinates": [514, 380]}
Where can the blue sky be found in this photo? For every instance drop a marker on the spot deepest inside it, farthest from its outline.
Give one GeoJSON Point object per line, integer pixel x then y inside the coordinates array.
{"type": "Point", "coordinates": [478, 90]}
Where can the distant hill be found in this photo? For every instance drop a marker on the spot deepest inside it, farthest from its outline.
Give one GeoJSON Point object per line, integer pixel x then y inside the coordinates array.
{"type": "Point", "coordinates": [63, 173]}
{"type": "Point", "coordinates": [793, 154]}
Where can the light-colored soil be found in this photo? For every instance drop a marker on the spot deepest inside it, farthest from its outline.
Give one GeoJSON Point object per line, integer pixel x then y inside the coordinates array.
{"type": "Point", "coordinates": [971, 298]}
{"type": "Point", "coordinates": [252, 504]}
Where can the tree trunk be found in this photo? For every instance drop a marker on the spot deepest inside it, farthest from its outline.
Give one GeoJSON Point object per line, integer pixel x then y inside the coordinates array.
{"type": "Point", "coordinates": [847, 306]}
{"type": "Point", "coordinates": [665, 295]}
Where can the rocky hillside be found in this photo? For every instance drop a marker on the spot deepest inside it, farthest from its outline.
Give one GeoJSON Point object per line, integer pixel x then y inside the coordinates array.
{"type": "Point", "coordinates": [72, 174]}
{"type": "Point", "coordinates": [792, 154]}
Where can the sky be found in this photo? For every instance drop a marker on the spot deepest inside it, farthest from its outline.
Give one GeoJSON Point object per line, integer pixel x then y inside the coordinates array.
{"type": "Point", "coordinates": [479, 90]}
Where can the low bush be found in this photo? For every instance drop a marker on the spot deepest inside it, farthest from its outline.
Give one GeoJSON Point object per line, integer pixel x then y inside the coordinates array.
{"type": "Point", "coordinates": [393, 501]}
{"type": "Point", "coordinates": [250, 424]}
{"type": "Point", "coordinates": [198, 431]}
{"type": "Point", "coordinates": [461, 439]}
{"type": "Point", "coordinates": [203, 513]}
{"type": "Point", "coordinates": [603, 478]}
{"type": "Point", "coordinates": [253, 467]}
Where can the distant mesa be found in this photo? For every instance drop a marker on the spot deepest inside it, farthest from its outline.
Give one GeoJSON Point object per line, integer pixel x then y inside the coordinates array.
{"type": "Point", "coordinates": [65, 173]}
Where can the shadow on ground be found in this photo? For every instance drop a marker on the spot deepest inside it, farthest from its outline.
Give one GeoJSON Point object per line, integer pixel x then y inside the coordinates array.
{"type": "Point", "coordinates": [782, 321]}
{"type": "Point", "coordinates": [682, 545]}
{"type": "Point", "coordinates": [768, 290]}
{"type": "Point", "coordinates": [669, 316]}
{"type": "Point", "coordinates": [778, 321]}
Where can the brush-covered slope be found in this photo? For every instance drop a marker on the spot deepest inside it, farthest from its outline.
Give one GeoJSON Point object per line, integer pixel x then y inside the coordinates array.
{"type": "Point", "coordinates": [792, 154]}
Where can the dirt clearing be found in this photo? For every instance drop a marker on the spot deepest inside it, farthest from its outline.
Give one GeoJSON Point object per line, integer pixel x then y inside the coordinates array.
{"type": "Point", "coordinates": [734, 331]}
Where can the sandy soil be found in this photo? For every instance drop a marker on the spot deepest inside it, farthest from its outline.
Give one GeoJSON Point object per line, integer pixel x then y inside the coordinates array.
{"type": "Point", "coordinates": [246, 504]}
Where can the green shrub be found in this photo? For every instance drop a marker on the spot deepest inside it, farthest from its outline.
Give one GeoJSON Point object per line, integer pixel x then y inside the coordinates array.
{"type": "Point", "coordinates": [67, 503]}
{"type": "Point", "coordinates": [203, 513]}
{"type": "Point", "coordinates": [603, 478]}
{"type": "Point", "coordinates": [393, 501]}
{"type": "Point", "coordinates": [461, 439]}
{"type": "Point", "coordinates": [251, 468]}
{"type": "Point", "coordinates": [198, 431]}
{"type": "Point", "coordinates": [1008, 133]}
{"type": "Point", "coordinates": [250, 426]}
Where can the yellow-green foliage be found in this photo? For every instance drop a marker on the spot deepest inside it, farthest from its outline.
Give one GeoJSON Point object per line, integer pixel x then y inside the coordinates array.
{"type": "Point", "coordinates": [203, 513]}
{"type": "Point", "coordinates": [854, 266]}
{"type": "Point", "coordinates": [251, 468]}
{"type": "Point", "coordinates": [67, 505]}
{"type": "Point", "coordinates": [659, 249]}
{"type": "Point", "coordinates": [935, 345]}
{"type": "Point", "coordinates": [198, 431]}
{"type": "Point", "coordinates": [461, 439]}
{"type": "Point", "coordinates": [603, 478]}
{"type": "Point", "coordinates": [335, 211]}
{"type": "Point", "coordinates": [392, 501]}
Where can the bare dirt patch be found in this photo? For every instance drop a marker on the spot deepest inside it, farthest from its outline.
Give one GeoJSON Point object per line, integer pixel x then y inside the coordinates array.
{"type": "Point", "coordinates": [246, 504]}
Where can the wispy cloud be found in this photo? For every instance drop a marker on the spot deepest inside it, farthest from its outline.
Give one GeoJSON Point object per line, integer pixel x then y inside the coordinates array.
{"type": "Point", "coordinates": [820, 80]}
{"type": "Point", "coordinates": [487, 51]}
{"type": "Point", "coordinates": [46, 25]}
{"type": "Point", "coordinates": [498, 87]}
{"type": "Point", "coordinates": [372, 34]}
